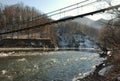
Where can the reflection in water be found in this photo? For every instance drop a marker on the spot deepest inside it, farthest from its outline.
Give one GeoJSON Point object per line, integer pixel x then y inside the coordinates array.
{"type": "Point", "coordinates": [53, 66]}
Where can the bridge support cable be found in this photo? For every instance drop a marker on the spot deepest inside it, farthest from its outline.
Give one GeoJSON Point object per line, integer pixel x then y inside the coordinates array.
{"type": "Point", "coordinates": [62, 10]}
{"type": "Point", "coordinates": [58, 10]}
{"type": "Point", "coordinates": [52, 12]}
{"type": "Point", "coordinates": [62, 20]}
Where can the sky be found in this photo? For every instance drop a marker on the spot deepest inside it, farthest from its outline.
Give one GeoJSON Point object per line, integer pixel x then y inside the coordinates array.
{"type": "Point", "coordinates": [51, 5]}
{"type": "Point", "coordinates": [43, 5]}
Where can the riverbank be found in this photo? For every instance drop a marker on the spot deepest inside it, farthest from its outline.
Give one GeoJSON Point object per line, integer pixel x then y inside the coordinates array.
{"type": "Point", "coordinates": [23, 52]}
{"type": "Point", "coordinates": [46, 49]}
{"type": "Point", "coordinates": [26, 49]}
{"type": "Point", "coordinates": [108, 70]}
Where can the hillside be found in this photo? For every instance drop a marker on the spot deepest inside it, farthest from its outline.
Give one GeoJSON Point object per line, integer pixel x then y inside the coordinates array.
{"type": "Point", "coordinates": [74, 35]}
{"type": "Point", "coordinates": [91, 23]}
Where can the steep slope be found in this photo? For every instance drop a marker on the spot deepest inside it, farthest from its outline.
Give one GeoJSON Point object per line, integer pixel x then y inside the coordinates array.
{"type": "Point", "coordinates": [71, 35]}
{"type": "Point", "coordinates": [75, 41]}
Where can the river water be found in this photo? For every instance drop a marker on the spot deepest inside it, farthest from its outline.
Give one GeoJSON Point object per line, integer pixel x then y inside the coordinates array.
{"type": "Point", "coordinates": [48, 66]}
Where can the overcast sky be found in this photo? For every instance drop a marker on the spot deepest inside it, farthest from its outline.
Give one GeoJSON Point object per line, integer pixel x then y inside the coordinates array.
{"type": "Point", "coordinates": [51, 5]}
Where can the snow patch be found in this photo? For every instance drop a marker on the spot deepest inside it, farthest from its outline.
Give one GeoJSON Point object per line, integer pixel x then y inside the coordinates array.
{"type": "Point", "coordinates": [80, 76]}
{"type": "Point", "coordinates": [21, 60]}
{"type": "Point", "coordinates": [4, 72]}
{"type": "Point", "coordinates": [3, 54]}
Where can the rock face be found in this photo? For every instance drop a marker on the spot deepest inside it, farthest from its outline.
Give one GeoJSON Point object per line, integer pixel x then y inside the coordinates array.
{"type": "Point", "coordinates": [72, 35]}
{"type": "Point", "coordinates": [78, 40]}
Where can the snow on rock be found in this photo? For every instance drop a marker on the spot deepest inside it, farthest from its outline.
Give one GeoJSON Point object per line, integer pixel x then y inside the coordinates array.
{"type": "Point", "coordinates": [105, 70]}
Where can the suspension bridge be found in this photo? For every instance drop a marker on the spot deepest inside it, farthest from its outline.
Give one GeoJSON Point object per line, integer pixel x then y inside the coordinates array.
{"type": "Point", "coordinates": [22, 32]}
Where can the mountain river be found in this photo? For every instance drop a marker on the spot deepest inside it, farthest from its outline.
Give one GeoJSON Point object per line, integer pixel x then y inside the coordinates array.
{"type": "Point", "coordinates": [48, 66]}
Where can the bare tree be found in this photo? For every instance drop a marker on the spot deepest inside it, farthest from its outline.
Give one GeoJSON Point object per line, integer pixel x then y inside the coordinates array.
{"type": "Point", "coordinates": [109, 35]}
